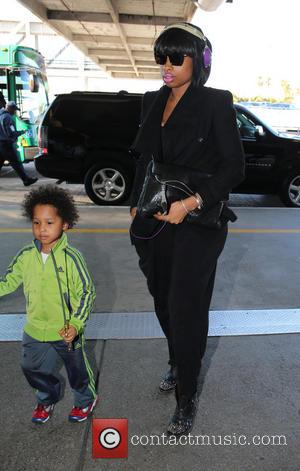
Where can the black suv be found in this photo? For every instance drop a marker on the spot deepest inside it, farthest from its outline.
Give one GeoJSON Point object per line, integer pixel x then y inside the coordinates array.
{"type": "Point", "coordinates": [85, 136]}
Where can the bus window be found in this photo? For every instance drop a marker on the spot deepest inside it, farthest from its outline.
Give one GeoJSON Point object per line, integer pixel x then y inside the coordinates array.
{"type": "Point", "coordinates": [32, 101]}
{"type": "Point", "coordinates": [3, 83]}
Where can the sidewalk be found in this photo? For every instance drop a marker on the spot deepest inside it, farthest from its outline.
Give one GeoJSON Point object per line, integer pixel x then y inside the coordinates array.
{"type": "Point", "coordinates": [250, 386]}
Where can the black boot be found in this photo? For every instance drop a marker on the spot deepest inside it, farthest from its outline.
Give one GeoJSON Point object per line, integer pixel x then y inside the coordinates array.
{"type": "Point", "coordinates": [168, 382]}
{"type": "Point", "coordinates": [183, 419]}
{"type": "Point", "coordinates": [30, 181]}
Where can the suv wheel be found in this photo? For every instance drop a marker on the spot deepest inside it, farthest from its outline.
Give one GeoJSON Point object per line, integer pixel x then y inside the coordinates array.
{"type": "Point", "coordinates": [107, 184]}
{"type": "Point", "coordinates": [290, 190]}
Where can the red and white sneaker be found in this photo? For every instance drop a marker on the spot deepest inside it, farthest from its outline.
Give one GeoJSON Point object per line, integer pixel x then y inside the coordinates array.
{"type": "Point", "coordinates": [42, 413]}
{"type": "Point", "coordinates": [79, 414]}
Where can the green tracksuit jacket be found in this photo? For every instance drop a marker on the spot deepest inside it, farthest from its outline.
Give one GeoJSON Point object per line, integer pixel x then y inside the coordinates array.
{"type": "Point", "coordinates": [43, 301]}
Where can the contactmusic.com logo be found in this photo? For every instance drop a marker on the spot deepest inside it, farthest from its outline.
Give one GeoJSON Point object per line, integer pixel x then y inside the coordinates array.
{"type": "Point", "coordinates": [110, 438]}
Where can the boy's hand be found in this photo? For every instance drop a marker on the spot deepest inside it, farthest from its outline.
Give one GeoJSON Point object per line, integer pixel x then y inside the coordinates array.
{"type": "Point", "coordinates": [68, 334]}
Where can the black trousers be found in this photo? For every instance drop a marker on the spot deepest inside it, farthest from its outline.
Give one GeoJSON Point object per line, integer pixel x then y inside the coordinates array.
{"type": "Point", "coordinates": [180, 267]}
{"type": "Point", "coordinates": [9, 152]}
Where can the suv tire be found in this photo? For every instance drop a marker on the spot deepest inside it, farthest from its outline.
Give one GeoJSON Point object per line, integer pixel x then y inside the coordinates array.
{"type": "Point", "coordinates": [290, 190]}
{"type": "Point", "coordinates": [107, 184]}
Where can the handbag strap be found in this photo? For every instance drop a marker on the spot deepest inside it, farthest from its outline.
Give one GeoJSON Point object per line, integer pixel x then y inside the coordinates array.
{"type": "Point", "coordinates": [188, 190]}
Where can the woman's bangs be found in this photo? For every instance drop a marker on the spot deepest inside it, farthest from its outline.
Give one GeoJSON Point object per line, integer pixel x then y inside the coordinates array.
{"type": "Point", "coordinates": [174, 41]}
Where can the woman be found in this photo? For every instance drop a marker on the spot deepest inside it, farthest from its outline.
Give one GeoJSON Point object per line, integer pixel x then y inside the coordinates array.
{"type": "Point", "coordinates": [187, 124]}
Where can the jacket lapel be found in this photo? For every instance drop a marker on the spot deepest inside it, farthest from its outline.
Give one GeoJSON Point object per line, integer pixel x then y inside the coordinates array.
{"type": "Point", "coordinates": [148, 136]}
{"type": "Point", "coordinates": [186, 123]}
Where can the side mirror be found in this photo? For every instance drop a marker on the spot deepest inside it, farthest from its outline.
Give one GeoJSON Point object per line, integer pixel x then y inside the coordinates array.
{"type": "Point", "coordinates": [33, 83]}
{"type": "Point", "coordinates": [259, 131]}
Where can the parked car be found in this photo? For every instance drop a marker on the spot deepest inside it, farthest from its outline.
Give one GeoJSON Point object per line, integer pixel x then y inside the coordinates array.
{"type": "Point", "coordinates": [272, 159]}
{"type": "Point", "coordinates": [85, 136]}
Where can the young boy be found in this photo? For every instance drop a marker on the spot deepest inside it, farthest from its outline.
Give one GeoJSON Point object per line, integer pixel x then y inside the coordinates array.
{"type": "Point", "coordinates": [59, 298]}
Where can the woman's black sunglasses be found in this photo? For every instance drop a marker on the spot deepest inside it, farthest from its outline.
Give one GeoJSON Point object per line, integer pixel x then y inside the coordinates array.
{"type": "Point", "coordinates": [176, 58]}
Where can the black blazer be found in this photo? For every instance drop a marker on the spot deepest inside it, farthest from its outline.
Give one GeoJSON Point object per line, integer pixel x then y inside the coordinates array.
{"type": "Point", "coordinates": [201, 133]}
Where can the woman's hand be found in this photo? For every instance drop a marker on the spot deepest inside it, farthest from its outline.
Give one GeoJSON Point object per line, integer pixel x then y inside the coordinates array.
{"type": "Point", "coordinates": [177, 211]}
{"type": "Point", "coordinates": [133, 213]}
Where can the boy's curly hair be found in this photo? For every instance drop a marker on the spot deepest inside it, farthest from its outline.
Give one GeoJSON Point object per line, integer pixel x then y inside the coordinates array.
{"type": "Point", "coordinates": [61, 199]}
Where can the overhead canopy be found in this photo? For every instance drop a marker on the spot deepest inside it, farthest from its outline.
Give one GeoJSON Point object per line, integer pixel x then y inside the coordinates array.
{"type": "Point", "coordinates": [118, 35]}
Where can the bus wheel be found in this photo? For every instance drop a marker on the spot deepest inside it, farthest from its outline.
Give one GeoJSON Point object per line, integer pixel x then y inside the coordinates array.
{"type": "Point", "coordinates": [107, 184]}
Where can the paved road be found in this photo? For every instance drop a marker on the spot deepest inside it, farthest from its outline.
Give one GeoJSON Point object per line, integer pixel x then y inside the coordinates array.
{"type": "Point", "coordinates": [253, 269]}
{"type": "Point", "coordinates": [259, 268]}
{"type": "Point", "coordinates": [13, 190]}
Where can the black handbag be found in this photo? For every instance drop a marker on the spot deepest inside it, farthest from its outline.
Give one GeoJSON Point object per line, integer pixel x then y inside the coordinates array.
{"type": "Point", "coordinates": [166, 183]}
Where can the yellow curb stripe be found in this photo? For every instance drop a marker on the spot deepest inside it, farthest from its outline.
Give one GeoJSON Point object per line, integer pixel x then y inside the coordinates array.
{"type": "Point", "coordinates": [264, 231]}
{"type": "Point", "coordinates": [125, 231]}
{"type": "Point", "coordinates": [100, 231]}
{"type": "Point", "coordinates": [4, 231]}
{"type": "Point", "coordinates": [79, 231]}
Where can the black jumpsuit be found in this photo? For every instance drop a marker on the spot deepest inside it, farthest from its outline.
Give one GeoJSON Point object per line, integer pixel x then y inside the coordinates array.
{"type": "Point", "coordinates": [180, 267]}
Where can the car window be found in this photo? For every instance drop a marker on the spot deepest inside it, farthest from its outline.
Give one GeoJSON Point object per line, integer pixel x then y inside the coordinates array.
{"type": "Point", "coordinates": [100, 120]}
{"type": "Point", "coordinates": [246, 125]}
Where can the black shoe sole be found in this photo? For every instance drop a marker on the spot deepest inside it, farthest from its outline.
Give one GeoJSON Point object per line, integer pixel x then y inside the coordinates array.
{"type": "Point", "coordinates": [186, 432]}
{"type": "Point", "coordinates": [31, 182]}
{"type": "Point", "coordinates": [167, 391]}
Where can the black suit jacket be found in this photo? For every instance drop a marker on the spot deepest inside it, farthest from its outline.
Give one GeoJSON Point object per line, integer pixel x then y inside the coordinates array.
{"type": "Point", "coordinates": [201, 133]}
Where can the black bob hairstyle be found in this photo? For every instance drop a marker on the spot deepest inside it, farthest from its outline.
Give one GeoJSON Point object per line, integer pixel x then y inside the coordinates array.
{"type": "Point", "coordinates": [59, 198]}
{"type": "Point", "coordinates": [176, 40]}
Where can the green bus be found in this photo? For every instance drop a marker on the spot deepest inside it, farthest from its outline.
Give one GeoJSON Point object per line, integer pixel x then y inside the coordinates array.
{"type": "Point", "coordinates": [23, 79]}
